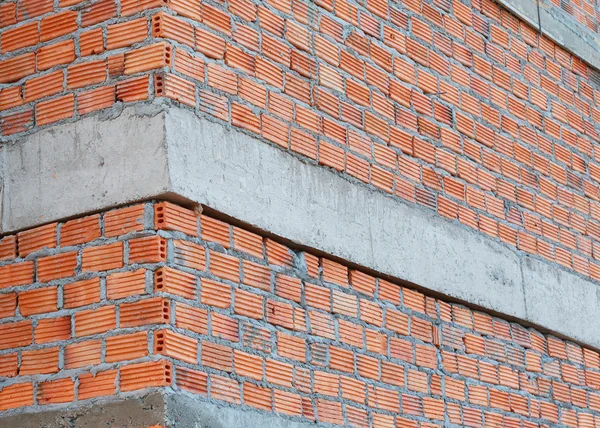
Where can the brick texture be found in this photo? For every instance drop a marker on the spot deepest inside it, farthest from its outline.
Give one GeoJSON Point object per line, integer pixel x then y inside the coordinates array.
{"type": "Point", "coordinates": [253, 325]}
{"type": "Point", "coordinates": [462, 109]}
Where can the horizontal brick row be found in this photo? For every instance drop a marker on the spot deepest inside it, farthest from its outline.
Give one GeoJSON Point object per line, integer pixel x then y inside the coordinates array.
{"type": "Point", "coordinates": [219, 311]}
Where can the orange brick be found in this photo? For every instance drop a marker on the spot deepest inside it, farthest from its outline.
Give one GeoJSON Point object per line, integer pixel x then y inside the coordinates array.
{"type": "Point", "coordinates": [104, 257]}
{"type": "Point", "coordinates": [124, 220]}
{"type": "Point", "coordinates": [81, 293]}
{"type": "Point", "coordinates": [126, 33]}
{"type": "Point", "coordinates": [169, 216]}
{"type": "Point", "coordinates": [44, 86]}
{"type": "Point", "coordinates": [35, 239]}
{"type": "Point", "coordinates": [55, 109]}
{"type": "Point", "coordinates": [176, 345]}
{"type": "Point", "coordinates": [15, 334]}
{"type": "Point", "coordinates": [41, 361]}
{"type": "Point", "coordinates": [94, 321]}
{"type": "Point", "coordinates": [55, 54]}
{"type": "Point", "coordinates": [83, 354]}
{"type": "Point", "coordinates": [8, 305]}
{"type": "Point", "coordinates": [124, 284]}
{"type": "Point", "coordinates": [15, 68]}
{"type": "Point", "coordinates": [56, 391]}
{"type": "Point", "coordinates": [53, 329]}
{"type": "Point", "coordinates": [169, 27]}
{"type": "Point", "coordinates": [54, 26]}
{"type": "Point", "coordinates": [9, 365]}
{"type": "Point", "coordinates": [150, 249]}
{"type": "Point", "coordinates": [92, 385]}
{"type": "Point", "coordinates": [135, 89]}
{"type": "Point", "coordinates": [214, 230]}
{"type": "Point", "coordinates": [16, 395]}
{"type": "Point", "coordinates": [11, 97]}
{"type": "Point", "coordinates": [20, 37]}
{"type": "Point", "coordinates": [80, 230]}
{"type": "Point", "coordinates": [126, 347]}
{"type": "Point", "coordinates": [192, 380]}
{"type": "Point", "coordinates": [143, 312]}
{"type": "Point", "coordinates": [8, 248]}
{"type": "Point", "coordinates": [172, 281]}
{"type": "Point", "coordinates": [91, 42]}
{"type": "Point", "coordinates": [191, 318]}
{"type": "Point", "coordinates": [148, 58]}
{"type": "Point", "coordinates": [225, 266]}
{"type": "Point", "coordinates": [86, 74]}
{"type": "Point", "coordinates": [145, 375]}
{"type": "Point", "coordinates": [38, 301]}
{"type": "Point", "coordinates": [58, 266]}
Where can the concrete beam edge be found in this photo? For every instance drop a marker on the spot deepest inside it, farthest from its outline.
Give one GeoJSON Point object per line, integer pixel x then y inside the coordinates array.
{"type": "Point", "coordinates": [560, 27]}
{"type": "Point", "coordinates": [194, 160]}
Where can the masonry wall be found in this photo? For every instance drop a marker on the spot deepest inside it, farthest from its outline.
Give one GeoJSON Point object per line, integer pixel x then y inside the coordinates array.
{"type": "Point", "coordinates": [155, 296]}
{"type": "Point", "coordinates": [462, 109]}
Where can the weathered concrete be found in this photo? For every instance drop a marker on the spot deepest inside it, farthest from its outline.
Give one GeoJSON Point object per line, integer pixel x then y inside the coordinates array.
{"type": "Point", "coordinates": [170, 408]}
{"type": "Point", "coordinates": [83, 166]}
{"type": "Point", "coordinates": [561, 301]}
{"type": "Point", "coordinates": [274, 191]}
{"type": "Point", "coordinates": [560, 27]}
{"type": "Point", "coordinates": [129, 412]}
{"type": "Point", "coordinates": [185, 411]}
{"type": "Point", "coordinates": [175, 155]}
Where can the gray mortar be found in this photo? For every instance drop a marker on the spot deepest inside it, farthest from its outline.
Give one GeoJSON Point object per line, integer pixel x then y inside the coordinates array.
{"type": "Point", "coordinates": [169, 153]}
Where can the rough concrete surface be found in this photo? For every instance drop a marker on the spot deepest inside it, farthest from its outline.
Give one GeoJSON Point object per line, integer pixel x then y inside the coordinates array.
{"type": "Point", "coordinates": [560, 27]}
{"type": "Point", "coordinates": [83, 166]}
{"type": "Point", "coordinates": [176, 155]}
{"type": "Point", "coordinates": [184, 411]}
{"type": "Point", "coordinates": [169, 408]}
{"type": "Point", "coordinates": [129, 412]}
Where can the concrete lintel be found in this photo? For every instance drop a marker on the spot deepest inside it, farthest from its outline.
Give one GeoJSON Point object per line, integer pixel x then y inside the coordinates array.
{"type": "Point", "coordinates": [84, 166]}
{"type": "Point", "coordinates": [175, 409]}
{"type": "Point", "coordinates": [136, 411]}
{"type": "Point", "coordinates": [560, 27]}
{"type": "Point", "coordinates": [175, 155]}
{"type": "Point", "coordinates": [184, 410]}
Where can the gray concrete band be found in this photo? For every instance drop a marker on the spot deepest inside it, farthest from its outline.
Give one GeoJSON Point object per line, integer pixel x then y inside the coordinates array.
{"type": "Point", "coordinates": [161, 407]}
{"type": "Point", "coordinates": [558, 26]}
{"type": "Point", "coordinates": [172, 154]}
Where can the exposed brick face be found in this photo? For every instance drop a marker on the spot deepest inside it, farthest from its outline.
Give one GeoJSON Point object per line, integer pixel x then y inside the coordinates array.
{"type": "Point", "coordinates": [252, 325]}
{"type": "Point", "coordinates": [462, 109]}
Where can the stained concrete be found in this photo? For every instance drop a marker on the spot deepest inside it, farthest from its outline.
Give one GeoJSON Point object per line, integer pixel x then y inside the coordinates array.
{"type": "Point", "coordinates": [129, 412]}
{"type": "Point", "coordinates": [170, 153]}
{"type": "Point", "coordinates": [83, 166]}
{"type": "Point", "coordinates": [174, 409]}
{"type": "Point", "coordinates": [558, 26]}
{"type": "Point", "coordinates": [185, 411]}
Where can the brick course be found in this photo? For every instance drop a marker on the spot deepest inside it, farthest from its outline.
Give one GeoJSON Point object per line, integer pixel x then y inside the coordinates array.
{"type": "Point", "coordinates": [229, 315]}
{"type": "Point", "coordinates": [464, 110]}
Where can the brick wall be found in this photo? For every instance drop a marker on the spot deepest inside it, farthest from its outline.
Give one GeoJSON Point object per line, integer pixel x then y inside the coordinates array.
{"type": "Point", "coordinates": [462, 109]}
{"type": "Point", "coordinates": [153, 296]}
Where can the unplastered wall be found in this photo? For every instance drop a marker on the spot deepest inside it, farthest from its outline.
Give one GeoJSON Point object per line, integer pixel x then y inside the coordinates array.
{"type": "Point", "coordinates": [460, 108]}
{"type": "Point", "coordinates": [156, 296]}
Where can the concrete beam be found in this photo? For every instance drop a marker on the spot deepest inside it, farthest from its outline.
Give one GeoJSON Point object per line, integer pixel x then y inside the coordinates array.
{"type": "Point", "coordinates": [162, 407]}
{"type": "Point", "coordinates": [83, 166]}
{"type": "Point", "coordinates": [123, 412]}
{"type": "Point", "coordinates": [558, 26]}
{"type": "Point", "coordinates": [170, 153]}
